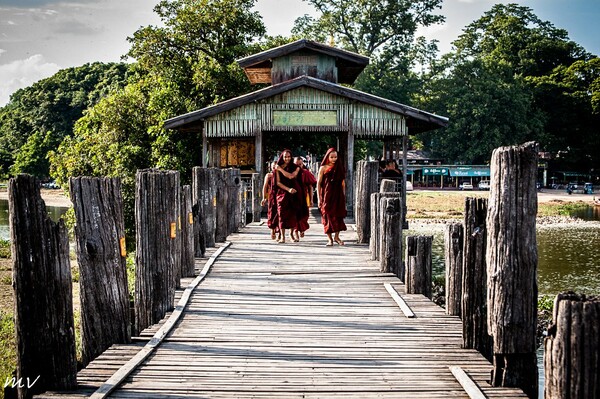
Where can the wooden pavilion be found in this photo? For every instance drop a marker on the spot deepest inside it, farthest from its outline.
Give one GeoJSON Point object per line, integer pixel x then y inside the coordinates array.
{"type": "Point", "coordinates": [305, 96]}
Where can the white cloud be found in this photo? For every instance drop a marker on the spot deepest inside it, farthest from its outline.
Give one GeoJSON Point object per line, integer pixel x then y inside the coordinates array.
{"type": "Point", "coordinates": [22, 73]}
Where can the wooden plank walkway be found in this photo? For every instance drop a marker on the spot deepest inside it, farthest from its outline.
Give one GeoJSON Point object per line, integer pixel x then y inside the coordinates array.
{"type": "Point", "coordinates": [299, 320]}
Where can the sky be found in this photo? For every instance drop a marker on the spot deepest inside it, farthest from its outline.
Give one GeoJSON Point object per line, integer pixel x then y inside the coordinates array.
{"type": "Point", "coordinates": [40, 37]}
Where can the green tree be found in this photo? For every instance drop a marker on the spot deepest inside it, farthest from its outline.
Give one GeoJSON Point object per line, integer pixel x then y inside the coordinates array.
{"type": "Point", "coordinates": [502, 85]}
{"type": "Point", "coordinates": [48, 110]}
{"type": "Point", "coordinates": [369, 27]}
{"type": "Point", "coordinates": [185, 64]}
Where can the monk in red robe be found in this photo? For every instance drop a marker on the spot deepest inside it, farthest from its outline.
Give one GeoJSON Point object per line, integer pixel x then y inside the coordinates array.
{"type": "Point", "coordinates": [269, 198]}
{"type": "Point", "coordinates": [307, 182]}
{"type": "Point", "coordinates": [288, 195]}
{"type": "Point", "coordinates": [331, 195]}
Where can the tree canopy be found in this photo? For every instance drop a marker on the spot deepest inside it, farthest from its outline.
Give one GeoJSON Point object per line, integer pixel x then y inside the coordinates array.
{"type": "Point", "coordinates": [38, 117]}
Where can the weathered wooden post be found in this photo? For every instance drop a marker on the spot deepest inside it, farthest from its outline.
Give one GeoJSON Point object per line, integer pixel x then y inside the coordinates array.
{"type": "Point", "coordinates": [512, 266]}
{"type": "Point", "coordinates": [391, 236]}
{"type": "Point", "coordinates": [221, 216]}
{"type": "Point", "coordinates": [156, 216]}
{"type": "Point", "coordinates": [418, 265]}
{"type": "Point", "coordinates": [43, 292]}
{"type": "Point", "coordinates": [234, 183]}
{"type": "Point", "coordinates": [187, 233]}
{"type": "Point", "coordinates": [366, 184]}
{"type": "Point", "coordinates": [256, 197]}
{"type": "Point", "coordinates": [375, 239]}
{"type": "Point", "coordinates": [387, 186]}
{"type": "Point", "coordinates": [204, 203]}
{"type": "Point", "coordinates": [245, 199]}
{"type": "Point", "coordinates": [474, 279]}
{"type": "Point", "coordinates": [453, 241]}
{"type": "Point", "coordinates": [572, 348]}
{"type": "Point", "coordinates": [101, 256]}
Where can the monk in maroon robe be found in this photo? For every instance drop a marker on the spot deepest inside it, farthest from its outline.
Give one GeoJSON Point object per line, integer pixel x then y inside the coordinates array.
{"type": "Point", "coordinates": [269, 198]}
{"type": "Point", "coordinates": [331, 194]}
{"type": "Point", "coordinates": [307, 182]}
{"type": "Point", "coordinates": [288, 195]}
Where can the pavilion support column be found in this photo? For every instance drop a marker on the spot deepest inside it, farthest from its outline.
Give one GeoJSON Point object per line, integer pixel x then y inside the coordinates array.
{"type": "Point", "coordinates": [258, 152]}
{"type": "Point", "coordinates": [350, 174]}
{"type": "Point", "coordinates": [204, 149]}
{"type": "Point", "coordinates": [404, 172]}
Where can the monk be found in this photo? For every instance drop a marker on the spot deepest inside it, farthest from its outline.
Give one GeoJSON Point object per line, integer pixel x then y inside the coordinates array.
{"type": "Point", "coordinates": [270, 200]}
{"type": "Point", "coordinates": [288, 195]}
{"type": "Point", "coordinates": [307, 181]}
{"type": "Point", "coordinates": [331, 196]}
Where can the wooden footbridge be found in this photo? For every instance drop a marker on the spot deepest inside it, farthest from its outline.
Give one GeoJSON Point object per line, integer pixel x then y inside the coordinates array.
{"type": "Point", "coordinates": [294, 320]}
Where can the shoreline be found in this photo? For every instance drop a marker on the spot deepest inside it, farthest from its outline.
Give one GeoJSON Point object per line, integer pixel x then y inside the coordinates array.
{"type": "Point", "coordinates": [52, 197]}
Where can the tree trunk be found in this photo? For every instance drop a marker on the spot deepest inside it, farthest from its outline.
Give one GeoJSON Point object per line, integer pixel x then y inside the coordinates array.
{"type": "Point", "coordinates": [187, 233]}
{"type": "Point", "coordinates": [366, 184]}
{"type": "Point", "coordinates": [156, 214]}
{"type": "Point", "coordinates": [512, 266]}
{"type": "Point", "coordinates": [391, 236]}
{"type": "Point", "coordinates": [101, 256]}
{"type": "Point", "coordinates": [43, 293]}
{"type": "Point", "coordinates": [418, 265]}
{"type": "Point", "coordinates": [474, 281]}
{"type": "Point", "coordinates": [453, 239]}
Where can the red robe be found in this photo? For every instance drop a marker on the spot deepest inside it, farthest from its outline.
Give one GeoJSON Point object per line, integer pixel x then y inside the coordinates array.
{"type": "Point", "coordinates": [272, 214]}
{"type": "Point", "coordinates": [288, 204]}
{"type": "Point", "coordinates": [307, 179]}
{"type": "Point", "coordinates": [333, 200]}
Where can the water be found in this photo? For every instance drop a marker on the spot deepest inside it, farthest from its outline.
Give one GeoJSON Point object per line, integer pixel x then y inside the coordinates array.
{"type": "Point", "coordinates": [55, 212]}
{"type": "Point", "coordinates": [568, 260]}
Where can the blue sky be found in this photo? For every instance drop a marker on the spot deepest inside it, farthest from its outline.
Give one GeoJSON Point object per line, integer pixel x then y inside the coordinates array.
{"type": "Point", "coordinates": [39, 37]}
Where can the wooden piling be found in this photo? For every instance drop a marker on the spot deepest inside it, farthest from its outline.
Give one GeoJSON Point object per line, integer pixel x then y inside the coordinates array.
{"type": "Point", "coordinates": [221, 211]}
{"type": "Point", "coordinates": [187, 233]}
{"type": "Point", "coordinates": [375, 239]}
{"type": "Point", "coordinates": [512, 266]}
{"type": "Point", "coordinates": [43, 293]}
{"type": "Point", "coordinates": [101, 256]}
{"type": "Point", "coordinates": [366, 184]}
{"type": "Point", "coordinates": [256, 197]}
{"type": "Point", "coordinates": [418, 265]}
{"type": "Point", "coordinates": [387, 186]}
{"type": "Point", "coordinates": [453, 241]}
{"type": "Point", "coordinates": [391, 236]}
{"type": "Point", "coordinates": [572, 348]}
{"type": "Point", "coordinates": [474, 279]}
{"type": "Point", "coordinates": [156, 214]}
{"type": "Point", "coordinates": [204, 203]}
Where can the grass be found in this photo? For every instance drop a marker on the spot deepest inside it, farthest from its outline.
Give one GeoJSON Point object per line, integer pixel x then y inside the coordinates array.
{"type": "Point", "coordinates": [8, 348]}
{"type": "Point", "coordinates": [439, 204]}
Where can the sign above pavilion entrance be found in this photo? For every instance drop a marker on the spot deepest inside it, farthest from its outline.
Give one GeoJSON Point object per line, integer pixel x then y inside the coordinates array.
{"type": "Point", "coordinates": [304, 118]}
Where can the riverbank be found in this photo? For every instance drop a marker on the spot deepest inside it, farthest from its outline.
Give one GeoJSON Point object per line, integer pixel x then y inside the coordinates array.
{"type": "Point", "coordinates": [52, 197]}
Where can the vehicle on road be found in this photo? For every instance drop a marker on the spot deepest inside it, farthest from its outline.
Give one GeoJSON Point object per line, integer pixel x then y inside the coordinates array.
{"type": "Point", "coordinates": [465, 186]}
{"type": "Point", "coordinates": [484, 185]}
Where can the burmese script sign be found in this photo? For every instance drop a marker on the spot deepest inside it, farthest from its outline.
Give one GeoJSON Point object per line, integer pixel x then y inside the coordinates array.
{"type": "Point", "coordinates": [304, 118]}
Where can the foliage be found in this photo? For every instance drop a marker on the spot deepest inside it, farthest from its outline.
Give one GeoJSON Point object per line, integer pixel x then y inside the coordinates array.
{"type": "Point", "coordinates": [369, 27]}
{"type": "Point", "coordinates": [546, 303]}
{"type": "Point", "coordinates": [506, 83]}
{"type": "Point", "coordinates": [130, 262]}
{"type": "Point", "coordinates": [5, 249]}
{"type": "Point", "coordinates": [38, 117]}
{"type": "Point", "coordinates": [185, 64]}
